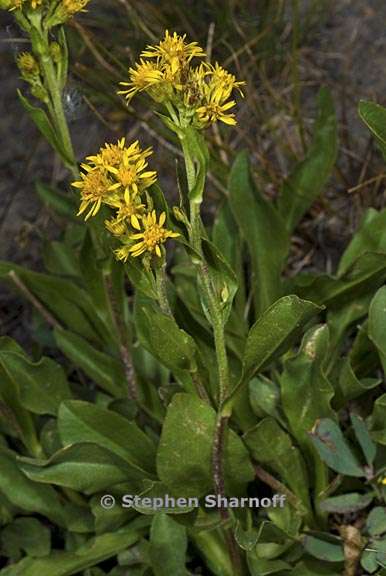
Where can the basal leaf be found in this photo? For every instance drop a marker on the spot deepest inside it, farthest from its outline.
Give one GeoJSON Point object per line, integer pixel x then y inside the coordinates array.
{"type": "Point", "coordinates": [168, 545]}
{"type": "Point", "coordinates": [184, 459]}
{"type": "Point", "coordinates": [81, 422]}
{"type": "Point", "coordinates": [264, 232]}
{"type": "Point", "coordinates": [310, 176]}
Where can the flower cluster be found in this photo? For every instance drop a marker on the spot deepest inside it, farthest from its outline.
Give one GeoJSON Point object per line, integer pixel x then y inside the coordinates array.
{"type": "Point", "coordinates": [118, 177]}
{"type": "Point", "coordinates": [196, 95]}
{"type": "Point", "coordinates": [58, 11]}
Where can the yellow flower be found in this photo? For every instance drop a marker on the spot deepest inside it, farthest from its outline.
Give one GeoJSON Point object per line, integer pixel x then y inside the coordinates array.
{"type": "Point", "coordinates": [130, 174]}
{"type": "Point", "coordinates": [154, 234]}
{"type": "Point", "coordinates": [95, 186]}
{"type": "Point", "coordinates": [111, 155]}
{"type": "Point", "coordinates": [212, 111]}
{"type": "Point", "coordinates": [116, 176]}
{"type": "Point", "coordinates": [222, 83]}
{"type": "Point", "coordinates": [71, 7]}
{"type": "Point", "coordinates": [116, 227]}
{"type": "Point", "coordinates": [174, 51]}
{"type": "Point", "coordinates": [145, 75]}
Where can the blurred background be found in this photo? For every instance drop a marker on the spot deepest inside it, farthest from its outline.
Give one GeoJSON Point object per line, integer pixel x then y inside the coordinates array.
{"type": "Point", "coordinates": [285, 50]}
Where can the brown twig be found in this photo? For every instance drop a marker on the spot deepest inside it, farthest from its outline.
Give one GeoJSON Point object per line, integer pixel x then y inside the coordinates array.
{"type": "Point", "coordinates": [49, 318]}
{"type": "Point", "coordinates": [122, 338]}
{"type": "Point", "coordinates": [276, 485]}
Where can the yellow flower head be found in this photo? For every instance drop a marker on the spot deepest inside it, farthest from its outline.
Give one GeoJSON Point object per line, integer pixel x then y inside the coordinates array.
{"type": "Point", "coordinates": [95, 189]}
{"type": "Point", "coordinates": [115, 177]}
{"type": "Point", "coordinates": [131, 176]}
{"type": "Point", "coordinates": [150, 238]}
{"type": "Point", "coordinates": [216, 91]}
{"type": "Point", "coordinates": [174, 51]}
{"type": "Point", "coordinates": [144, 76]}
{"type": "Point", "coordinates": [18, 4]}
{"type": "Point", "coordinates": [74, 6]}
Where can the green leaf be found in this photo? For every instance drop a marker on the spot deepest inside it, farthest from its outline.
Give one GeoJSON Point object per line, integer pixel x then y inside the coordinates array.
{"type": "Point", "coordinates": [195, 148]}
{"type": "Point", "coordinates": [80, 422]}
{"type": "Point", "coordinates": [102, 368]}
{"type": "Point", "coordinates": [362, 434]}
{"type": "Point", "coordinates": [26, 494]}
{"type": "Point", "coordinates": [41, 386]}
{"type": "Point", "coordinates": [223, 280]}
{"type": "Point", "coordinates": [160, 335]}
{"type": "Point", "coordinates": [347, 503]}
{"type": "Point", "coordinates": [264, 396]}
{"type": "Point", "coordinates": [63, 298]}
{"type": "Point", "coordinates": [62, 204]}
{"type": "Point", "coordinates": [314, 568]}
{"type": "Point", "coordinates": [274, 332]}
{"type": "Point", "coordinates": [311, 175]}
{"type": "Point", "coordinates": [184, 459]}
{"type": "Point", "coordinates": [376, 522]}
{"type": "Point", "coordinates": [60, 563]}
{"type": "Point", "coordinates": [168, 544]}
{"type": "Point", "coordinates": [305, 391]}
{"type": "Point", "coordinates": [84, 467]}
{"type": "Point", "coordinates": [27, 534]}
{"type": "Point", "coordinates": [264, 232]}
{"type": "Point", "coordinates": [350, 386]}
{"type": "Point", "coordinates": [370, 237]}
{"type": "Point", "coordinates": [260, 567]}
{"type": "Point", "coordinates": [365, 275]}
{"type": "Point", "coordinates": [333, 448]}
{"type": "Point", "coordinates": [270, 445]}
{"type": "Point", "coordinates": [377, 324]}
{"type": "Point", "coordinates": [323, 550]}
{"type": "Point", "coordinates": [44, 125]}
{"type": "Point", "coordinates": [374, 116]}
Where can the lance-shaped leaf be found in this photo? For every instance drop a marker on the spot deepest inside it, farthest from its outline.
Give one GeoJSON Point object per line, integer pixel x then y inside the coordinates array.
{"type": "Point", "coordinates": [374, 116]}
{"type": "Point", "coordinates": [264, 232]}
{"type": "Point", "coordinates": [261, 567]}
{"type": "Point", "coordinates": [323, 550]}
{"type": "Point", "coordinates": [102, 368]}
{"type": "Point", "coordinates": [68, 303]}
{"type": "Point", "coordinates": [270, 445]}
{"type": "Point", "coordinates": [362, 434]}
{"type": "Point", "coordinates": [370, 237]}
{"type": "Point", "coordinates": [40, 386]}
{"type": "Point", "coordinates": [311, 175]}
{"type": "Point", "coordinates": [84, 467]}
{"type": "Point", "coordinates": [184, 459]}
{"type": "Point", "coordinates": [305, 391]}
{"type": "Point", "coordinates": [45, 126]}
{"type": "Point", "coordinates": [80, 422]}
{"type": "Point", "coordinates": [367, 273]}
{"type": "Point", "coordinates": [26, 494]}
{"type": "Point", "coordinates": [168, 544]}
{"type": "Point", "coordinates": [161, 336]}
{"type": "Point", "coordinates": [334, 449]}
{"type": "Point", "coordinates": [273, 334]}
{"type": "Point", "coordinates": [347, 503]}
{"type": "Point", "coordinates": [60, 563]}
